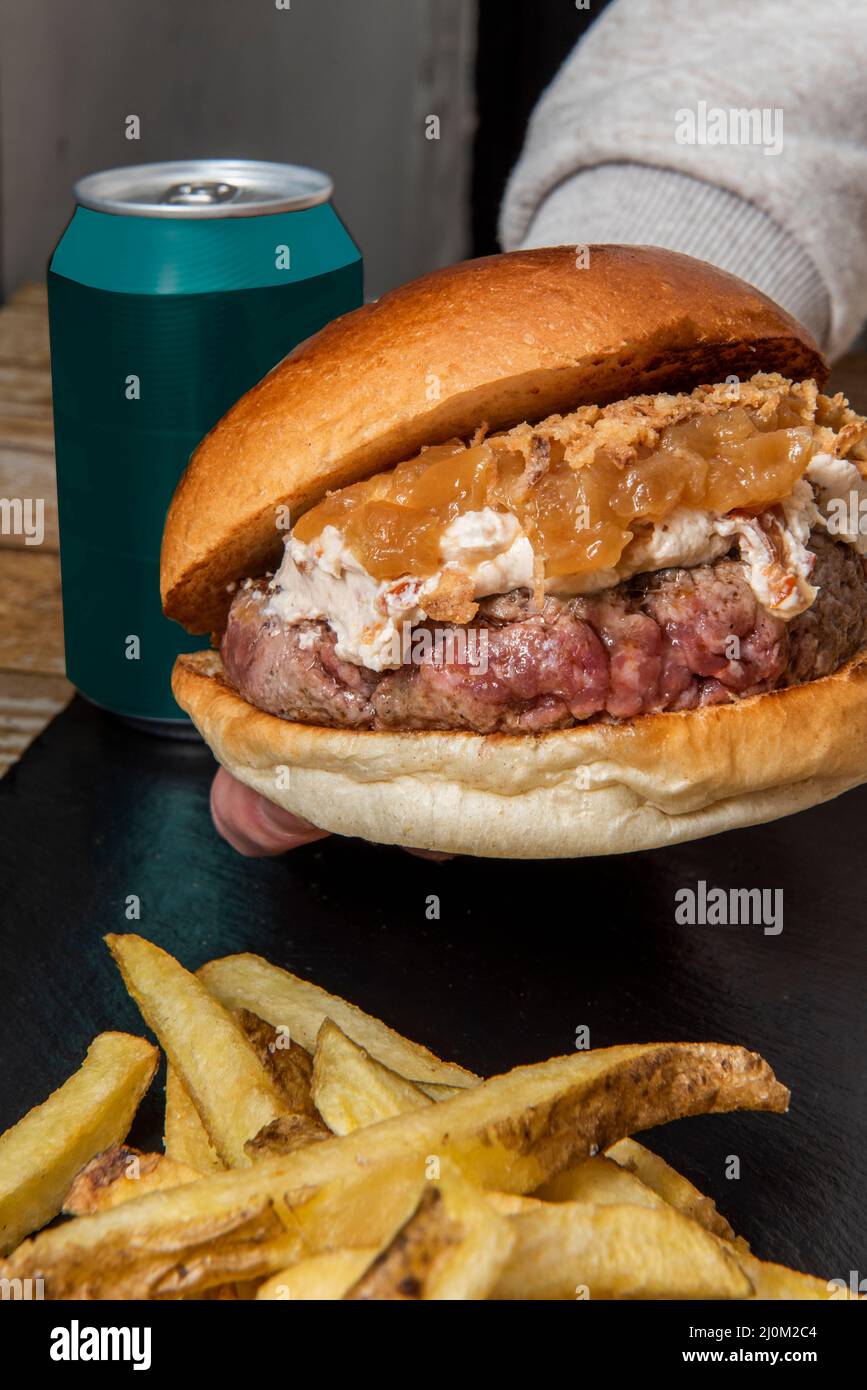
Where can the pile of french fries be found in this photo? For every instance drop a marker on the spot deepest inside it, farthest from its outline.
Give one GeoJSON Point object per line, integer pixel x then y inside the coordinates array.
{"type": "Point", "coordinates": [313, 1153]}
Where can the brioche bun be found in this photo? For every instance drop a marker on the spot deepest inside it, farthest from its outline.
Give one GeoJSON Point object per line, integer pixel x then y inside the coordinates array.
{"type": "Point", "coordinates": [499, 340]}
{"type": "Point", "coordinates": [592, 789]}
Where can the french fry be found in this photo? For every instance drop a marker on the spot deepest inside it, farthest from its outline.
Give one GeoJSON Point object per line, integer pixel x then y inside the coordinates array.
{"type": "Point", "coordinates": [438, 1092]}
{"type": "Point", "coordinates": [249, 982]}
{"type": "Point", "coordinates": [233, 1093]}
{"type": "Point", "coordinates": [208, 1233]}
{"type": "Point", "coordinates": [776, 1283]}
{"type": "Point", "coordinates": [351, 1089]}
{"type": "Point", "coordinates": [568, 1250]}
{"type": "Point", "coordinates": [511, 1203]}
{"type": "Point", "coordinates": [323, 1278]}
{"type": "Point", "coordinates": [41, 1154]}
{"type": "Point", "coordinates": [285, 1135]}
{"type": "Point", "coordinates": [599, 1181]}
{"type": "Point", "coordinates": [119, 1174]}
{"type": "Point", "coordinates": [290, 1068]}
{"type": "Point", "coordinates": [673, 1187]}
{"type": "Point", "coordinates": [510, 1134]}
{"type": "Point", "coordinates": [331, 1275]}
{"type": "Point", "coordinates": [184, 1136]}
{"type": "Point", "coordinates": [289, 1064]}
{"type": "Point", "coordinates": [454, 1246]}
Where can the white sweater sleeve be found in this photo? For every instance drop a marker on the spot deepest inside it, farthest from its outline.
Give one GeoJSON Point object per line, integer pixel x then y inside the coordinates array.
{"type": "Point", "coordinates": [640, 139]}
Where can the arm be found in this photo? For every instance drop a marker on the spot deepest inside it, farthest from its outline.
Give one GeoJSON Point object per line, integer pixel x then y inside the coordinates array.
{"type": "Point", "coordinates": [608, 155]}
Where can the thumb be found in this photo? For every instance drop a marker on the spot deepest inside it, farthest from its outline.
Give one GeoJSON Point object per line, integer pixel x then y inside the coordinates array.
{"type": "Point", "coordinates": [251, 824]}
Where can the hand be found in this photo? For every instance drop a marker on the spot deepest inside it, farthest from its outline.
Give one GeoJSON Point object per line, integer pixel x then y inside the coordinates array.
{"type": "Point", "coordinates": [256, 827]}
{"type": "Point", "coordinates": [251, 824]}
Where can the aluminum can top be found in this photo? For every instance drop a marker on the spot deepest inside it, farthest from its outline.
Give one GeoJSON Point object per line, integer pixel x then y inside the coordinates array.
{"type": "Point", "coordinates": [204, 188]}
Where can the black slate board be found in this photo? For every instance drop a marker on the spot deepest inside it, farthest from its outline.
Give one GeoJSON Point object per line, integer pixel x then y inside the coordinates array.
{"type": "Point", "coordinates": [523, 954]}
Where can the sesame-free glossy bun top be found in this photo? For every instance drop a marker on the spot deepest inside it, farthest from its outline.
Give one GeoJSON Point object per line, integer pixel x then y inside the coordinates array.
{"type": "Point", "coordinates": [494, 341]}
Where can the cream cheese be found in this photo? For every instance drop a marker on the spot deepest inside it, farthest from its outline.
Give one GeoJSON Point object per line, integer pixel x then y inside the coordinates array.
{"type": "Point", "coordinates": [372, 619]}
{"type": "Point", "coordinates": [775, 554]}
{"type": "Point", "coordinates": [324, 580]}
{"type": "Point", "coordinates": [492, 548]}
{"type": "Point", "coordinates": [686, 537]}
{"type": "Point", "coordinates": [777, 565]}
{"type": "Point", "coordinates": [842, 498]}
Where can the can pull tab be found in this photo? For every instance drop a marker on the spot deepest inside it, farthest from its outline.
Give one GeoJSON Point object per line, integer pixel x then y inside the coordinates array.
{"type": "Point", "coordinates": [199, 194]}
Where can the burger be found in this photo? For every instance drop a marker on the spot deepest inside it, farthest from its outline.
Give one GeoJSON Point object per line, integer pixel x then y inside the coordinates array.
{"type": "Point", "coordinates": [540, 555]}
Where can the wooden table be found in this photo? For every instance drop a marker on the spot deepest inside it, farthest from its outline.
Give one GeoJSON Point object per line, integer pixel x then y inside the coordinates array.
{"type": "Point", "coordinates": [32, 684]}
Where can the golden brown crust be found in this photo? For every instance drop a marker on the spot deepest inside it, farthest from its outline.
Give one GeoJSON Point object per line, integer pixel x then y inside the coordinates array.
{"type": "Point", "coordinates": [594, 789]}
{"type": "Point", "coordinates": [499, 340]}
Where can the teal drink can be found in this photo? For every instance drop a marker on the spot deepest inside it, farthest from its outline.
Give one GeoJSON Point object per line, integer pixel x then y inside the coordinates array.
{"type": "Point", "coordinates": [173, 290]}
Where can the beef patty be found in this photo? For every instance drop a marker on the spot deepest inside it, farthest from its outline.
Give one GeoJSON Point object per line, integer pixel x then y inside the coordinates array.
{"type": "Point", "coordinates": [672, 640]}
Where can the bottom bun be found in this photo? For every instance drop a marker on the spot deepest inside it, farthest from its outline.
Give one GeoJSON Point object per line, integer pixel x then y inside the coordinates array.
{"type": "Point", "coordinates": [594, 789]}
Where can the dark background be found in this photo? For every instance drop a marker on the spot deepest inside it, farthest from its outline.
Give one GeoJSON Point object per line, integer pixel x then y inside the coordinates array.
{"type": "Point", "coordinates": [519, 50]}
{"type": "Point", "coordinates": [522, 955]}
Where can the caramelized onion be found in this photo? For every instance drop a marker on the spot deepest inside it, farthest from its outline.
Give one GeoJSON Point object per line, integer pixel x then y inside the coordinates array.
{"type": "Point", "coordinates": [578, 519]}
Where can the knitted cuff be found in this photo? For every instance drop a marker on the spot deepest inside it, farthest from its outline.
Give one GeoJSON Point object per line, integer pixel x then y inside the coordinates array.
{"type": "Point", "coordinates": [640, 205]}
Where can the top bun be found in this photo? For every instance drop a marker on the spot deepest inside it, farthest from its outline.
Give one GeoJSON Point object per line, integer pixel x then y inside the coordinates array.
{"type": "Point", "coordinates": [498, 340]}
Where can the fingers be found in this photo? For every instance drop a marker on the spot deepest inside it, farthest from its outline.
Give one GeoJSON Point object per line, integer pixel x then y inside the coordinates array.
{"type": "Point", "coordinates": [257, 828]}
{"type": "Point", "coordinates": [252, 825]}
